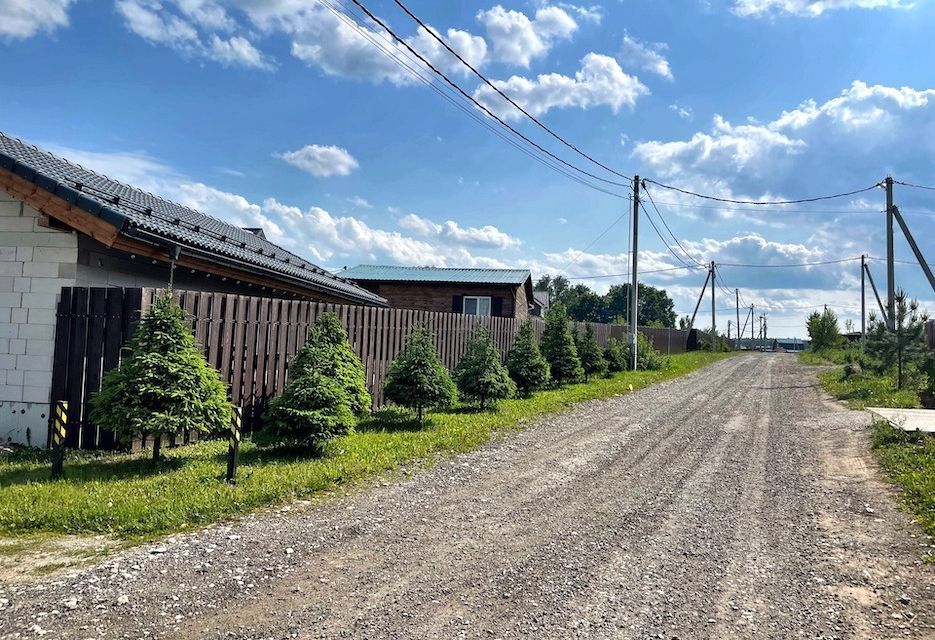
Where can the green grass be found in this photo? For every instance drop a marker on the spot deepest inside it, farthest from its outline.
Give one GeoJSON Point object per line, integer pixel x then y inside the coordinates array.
{"type": "Point", "coordinates": [867, 390]}
{"type": "Point", "coordinates": [825, 356]}
{"type": "Point", "coordinates": [124, 496]}
{"type": "Point", "coordinates": [909, 460]}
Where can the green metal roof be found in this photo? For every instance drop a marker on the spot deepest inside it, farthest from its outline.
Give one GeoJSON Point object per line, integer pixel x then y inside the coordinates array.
{"type": "Point", "coordinates": [389, 273]}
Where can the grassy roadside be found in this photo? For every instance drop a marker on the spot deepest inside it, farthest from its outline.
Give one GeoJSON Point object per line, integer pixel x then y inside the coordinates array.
{"type": "Point", "coordinates": [907, 459]}
{"type": "Point", "coordinates": [123, 496]}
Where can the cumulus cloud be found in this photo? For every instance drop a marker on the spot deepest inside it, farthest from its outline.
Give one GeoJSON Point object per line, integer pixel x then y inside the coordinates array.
{"type": "Point", "coordinates": [485, 236]}
{"type": "Point", "coordinates": [20, 19]}
{"type": "Point", "coordinates": [156, 23]}
{"type": "Point", "coordinates": [810, 8]}
{"type": "Point", "coordinates": [683, 112]}
{"type": "Point", "coordinates": [321, 161]}
{"type": "Point", "coordinates": [599, 82]}
{"type": "Point", "coordinates": [646, 56]}
{"type": "Point", "coordinates": [517, 39]}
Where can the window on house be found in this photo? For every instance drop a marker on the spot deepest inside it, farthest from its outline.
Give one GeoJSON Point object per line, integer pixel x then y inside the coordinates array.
{"type": "Point", "coordinates": [477, 305]}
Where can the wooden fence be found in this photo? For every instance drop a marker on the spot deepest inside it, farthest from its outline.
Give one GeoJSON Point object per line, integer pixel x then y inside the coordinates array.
{"type": "Point", "coordinates": [251, 341]}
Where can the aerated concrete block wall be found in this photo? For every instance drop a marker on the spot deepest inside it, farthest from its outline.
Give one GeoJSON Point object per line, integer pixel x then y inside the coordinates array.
{"type": "Point", "coordinates": [36, 261]}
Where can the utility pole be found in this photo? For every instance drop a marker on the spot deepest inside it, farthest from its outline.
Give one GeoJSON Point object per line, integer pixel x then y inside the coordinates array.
{"type": "Point", "coordinates": [890, 265]}
{"type": "Point", "coordinates": [737, 300]}
{"type": "Point", "coordinates": [713, 319]}
{"type": "Point", "coordinates": [863, 303]}
{"type": "Point", "coordinates": [728, 329]}
{"type": "Point", "coordinates": [634, 286]}
{"type": "Point", "coordinates": [752, 338]}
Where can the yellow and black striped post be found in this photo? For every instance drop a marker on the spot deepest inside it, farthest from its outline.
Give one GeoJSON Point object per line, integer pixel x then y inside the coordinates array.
{"type": "Point", "coordinates": [59, 422]}
{"type": "Point", "coordinates": [233, 444]}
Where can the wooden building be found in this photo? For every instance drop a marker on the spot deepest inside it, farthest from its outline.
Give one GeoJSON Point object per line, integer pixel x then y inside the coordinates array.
{"type": "Point", "coordinates": [504, 293]}
{"type": "Point", "coordinates": [64, 226]}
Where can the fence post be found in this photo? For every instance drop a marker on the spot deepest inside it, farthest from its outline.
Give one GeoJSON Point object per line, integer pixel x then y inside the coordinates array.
{"type": "Point", "coordinates": [233, 445]}
{"type": "Point", "coordinates": [59, 420]}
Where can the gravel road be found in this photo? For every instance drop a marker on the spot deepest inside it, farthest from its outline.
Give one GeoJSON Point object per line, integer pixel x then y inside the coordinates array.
{"type": "Point", "coordinates": [732, 503]}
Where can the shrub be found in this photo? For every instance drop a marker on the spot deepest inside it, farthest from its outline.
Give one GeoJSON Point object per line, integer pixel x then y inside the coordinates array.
{"type": "Point", "coordinates": [417, 378]}
{"type": "Point", "coordinates": [615, 352]}
{"type": "Point", "coordinates": [328, 352]}
{"type": "Point", "coordinates": [823, 330]}
{"type": "Point", "coordinates": [327, 389]}
{"type": "Point", "coordinates": [647, 358]}
{"type": "Point", "coordinates": [311, 409]}
{"type": "Point", "coordinates": [528, 369]}
{"type": "Point", "coordinates": [480, 375]}
{"type": "Point", "coordinates": [164, 385]}
{"type": "Point", "coordinates": [592, 360]}
{"type": "Point", "coordinates": [558, 347]}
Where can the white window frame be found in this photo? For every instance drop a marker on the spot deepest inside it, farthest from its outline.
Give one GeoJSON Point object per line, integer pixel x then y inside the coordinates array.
{"type": "Point", "coordinates": [477, 305]}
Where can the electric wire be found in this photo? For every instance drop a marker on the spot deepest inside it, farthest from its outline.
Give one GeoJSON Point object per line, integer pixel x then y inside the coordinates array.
{"type": "Point", "coordinates": [786, 265]}
{"type": "Point", "coordinates": [914, 186]}
{"type": "Point", "coordinates": [490, 84]}
{"type": "Point", "coordinates": [368, 35]}
{"type": "Point", "coordinates": [663, 240]}
{"type": "Point", "coordinates": [761, 202]}
{"type": "Point", "coordinates": [661, 217]}
{"type": "Point", "coordinates": [478, 104]}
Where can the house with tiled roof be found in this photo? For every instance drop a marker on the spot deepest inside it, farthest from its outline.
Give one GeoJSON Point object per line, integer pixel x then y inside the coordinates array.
{"type": "Point", "coordinates": [62, 225]}
{"type": "Point", "coordinates": [504, 293]}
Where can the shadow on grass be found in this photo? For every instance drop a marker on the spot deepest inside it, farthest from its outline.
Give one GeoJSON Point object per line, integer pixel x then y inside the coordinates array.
{"type": "Point", "coordinates": [271, 453]}
{"type": "Point", "coordinates": [392, 419]}
{"type": "Point", "coordinates": [97, 469]}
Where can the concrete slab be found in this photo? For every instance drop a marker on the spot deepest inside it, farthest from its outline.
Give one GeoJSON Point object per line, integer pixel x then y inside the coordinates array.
{"type": "Point", "coordinates": [907, 419]}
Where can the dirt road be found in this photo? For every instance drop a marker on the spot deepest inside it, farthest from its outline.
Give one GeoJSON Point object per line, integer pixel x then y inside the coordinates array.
{"type": "Point", "coordinates": [732, 503]}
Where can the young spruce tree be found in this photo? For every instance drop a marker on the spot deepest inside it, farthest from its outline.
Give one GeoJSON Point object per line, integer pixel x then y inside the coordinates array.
{"type": "Point", "coordinates": [558, 347]}
{"type": "Point", "coordinates": [903, 346]}
{"type": "Point", "coordinates": [164, 385]}
{"type": "Point", "coordinates": [417, 378]}
{"type": "Point", "coordinates": [327, 389]}
{"type": "Point", "coordinates": [480, 374]}
{"type": "Point", "coordinates": [616, 355]}
{"type": "Point", "coordinates": [592, 360]}
{"type": "Point", "coordinates": [528, 369]}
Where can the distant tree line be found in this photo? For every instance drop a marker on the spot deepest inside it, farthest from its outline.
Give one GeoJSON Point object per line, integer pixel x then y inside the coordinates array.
{"type": "Point", "coordinates": [655, 307]}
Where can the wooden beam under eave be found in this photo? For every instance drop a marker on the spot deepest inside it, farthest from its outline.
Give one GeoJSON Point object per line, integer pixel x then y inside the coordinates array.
{"type": "Point", "coordinates": [141, 248]}
{"type": "Point", "coordinates": [55, 207]}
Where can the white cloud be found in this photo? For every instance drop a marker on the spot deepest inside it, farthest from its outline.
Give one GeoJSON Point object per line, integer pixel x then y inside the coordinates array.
{"type": "Point", "coordinates": [153, 21]}
{"type": "Point", "coordinates": [321, 161]}
{"type": "Point", "coordinates": [810, 8]}
{"type": "Point", "coordinates": [20, 19]}
{"type": "Point", "coordinates": [685, 113]}
{"type": "Point", "coordinates": [599, 82]}
{"type": "Point", "coordinates": [358, 201]}
{"type": "Point", "coordinates": [473, 49]}
{"type": "Point", "coordinates": [518, 40]}
{"type": "Point", "coordinates": [645, 55]}
{"type": "Point", "coordinates": [134, 168]}
{"type": "Point", "coordinates": [450, 231]}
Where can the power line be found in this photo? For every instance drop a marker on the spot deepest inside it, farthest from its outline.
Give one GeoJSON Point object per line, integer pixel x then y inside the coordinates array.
{"type": "Point", "coordinates": [760, 202]}
{"type": "Point", "coordinates": [368, 35]}
{"type": "Point", "coordinates": [786, 265]}
{"type": "Point", "coordinates": [914, 186]}
{"type": "Point", "coordinates": [478, 104]}
{"type": "Point", "coordinates": [661, 217]}
{"type": "Point", "coordinates": [627, 275]}
{"type": "Point", "coordinates": [663, 240]}
{"type": "Point", "coordinates": [503, 95]}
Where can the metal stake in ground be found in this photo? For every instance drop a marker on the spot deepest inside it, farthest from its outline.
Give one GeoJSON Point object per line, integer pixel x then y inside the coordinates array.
{"type": "Point", "coordinates": [233, 445]}
{"type": "Point", "coordinates": [59, 420]}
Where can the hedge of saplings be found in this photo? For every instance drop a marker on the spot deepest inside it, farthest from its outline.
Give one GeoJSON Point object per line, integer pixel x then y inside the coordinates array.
{"type": "Point", "coordinates": [417, 379]}
{"type": "Point", "coordinates": [558, 347]}
{"type": "Point", "coordinates": [480, 374]}
{"type": "Point", "coordinates": [163, 386]}
{"type": "Point", "coordinates": [590, 354]}
{"type": "Point", "coordinates": [525, 363]}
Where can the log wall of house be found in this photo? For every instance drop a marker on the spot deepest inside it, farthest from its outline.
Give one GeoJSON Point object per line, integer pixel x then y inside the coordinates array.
{"type": "Point", "coordinates": [427, 296]}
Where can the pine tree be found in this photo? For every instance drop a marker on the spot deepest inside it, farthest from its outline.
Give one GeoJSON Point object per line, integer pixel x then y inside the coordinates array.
{"type": "Point", "coordinates": [417, 378]}
{"type": "Point", "coordinates": [327, 389]}
{"type": "Point", "coordinates": [904, 345]}
{"type": "Point", "coordinates": [616, 355]}
{"type": "Point", "coordinates": [592, 360]}
{"type": "Point", "coordinates": [528, 369]}
{"type": "Point", "coordinates": [558, 347]}
{"type": "Point", "coordinates": [328, 352]}
{"type": "Point", "coordinates": [480, 374]}
{"type": "Point", "coordinates": [823, 330]}
{"type": "Point", "coordinates": [164, 385]}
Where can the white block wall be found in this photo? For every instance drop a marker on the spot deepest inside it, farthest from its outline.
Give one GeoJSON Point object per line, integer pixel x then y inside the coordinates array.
{"type": "Point", "coordinates": [35, 263]}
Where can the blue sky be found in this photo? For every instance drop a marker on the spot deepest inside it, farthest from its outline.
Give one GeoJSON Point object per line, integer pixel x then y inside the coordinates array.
{"type": "Point", "coordinates": [278, 113]}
